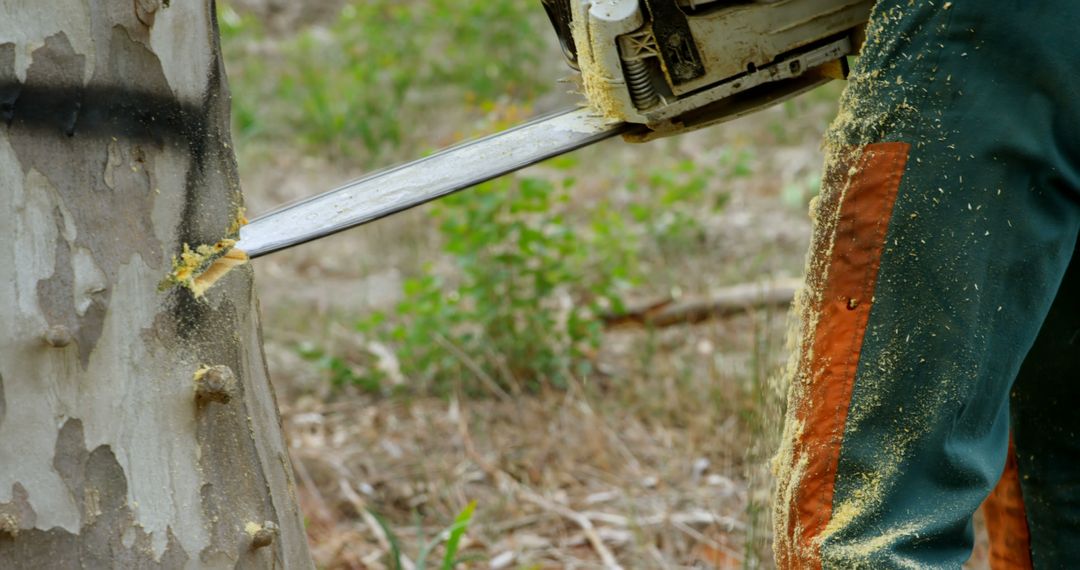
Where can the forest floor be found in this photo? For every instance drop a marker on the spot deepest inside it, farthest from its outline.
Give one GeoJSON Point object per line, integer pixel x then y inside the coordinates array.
{"type": "Point", "coordinates": [657, 457]}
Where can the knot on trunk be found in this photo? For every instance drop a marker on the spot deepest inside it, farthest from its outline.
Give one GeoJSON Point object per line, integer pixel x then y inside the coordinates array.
{"type": "Point", "coordinates": [261, 534]}
{"type": "Point", "coordinates": [214, 384]}
{"type": "Point", "coordinates": [58, 336]}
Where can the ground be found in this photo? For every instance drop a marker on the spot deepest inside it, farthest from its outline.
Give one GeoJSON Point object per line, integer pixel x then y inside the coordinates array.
{"type": "Point", "coordinates": [657, 457]}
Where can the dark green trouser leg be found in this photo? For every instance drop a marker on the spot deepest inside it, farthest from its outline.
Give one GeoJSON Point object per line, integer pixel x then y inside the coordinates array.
{"type": "Point", "coordinates": [918, 322]}
{"type": "Point", "coordinates": [1046, 424]}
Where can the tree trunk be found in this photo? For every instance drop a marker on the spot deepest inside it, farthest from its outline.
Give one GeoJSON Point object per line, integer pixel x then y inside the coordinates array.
{"type": "Point", "coordinates": [138, 427]}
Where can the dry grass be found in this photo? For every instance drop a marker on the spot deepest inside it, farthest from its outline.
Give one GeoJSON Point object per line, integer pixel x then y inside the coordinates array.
{"type": "Point", "coordinates": [656, 467]}
{"type": "Point", "coordinates": [654, 452]}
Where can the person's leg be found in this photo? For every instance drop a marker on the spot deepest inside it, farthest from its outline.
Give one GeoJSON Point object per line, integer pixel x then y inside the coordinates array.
{"type": "Point", "coordinates": [948, 215]}
{"type": "Point", "coordinates": [1046, 425]}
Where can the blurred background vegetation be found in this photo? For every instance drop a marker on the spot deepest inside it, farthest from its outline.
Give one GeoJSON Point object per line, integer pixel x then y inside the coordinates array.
{"type": "Point", "coordinates": [458, 353]}
{"type": "Point", "coordinates": [358, 85]}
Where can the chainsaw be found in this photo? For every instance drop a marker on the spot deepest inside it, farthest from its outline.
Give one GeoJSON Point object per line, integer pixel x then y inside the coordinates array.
{"type": "Point", "coordinates": [647, 68]}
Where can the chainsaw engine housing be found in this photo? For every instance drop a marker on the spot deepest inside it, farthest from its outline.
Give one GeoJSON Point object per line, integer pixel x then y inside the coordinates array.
{"type": "Point", "coordinates": [677, 65]}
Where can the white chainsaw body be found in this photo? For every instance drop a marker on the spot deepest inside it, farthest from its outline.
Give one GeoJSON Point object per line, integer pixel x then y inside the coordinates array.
{"type": "Point", "coordinates": [678, 65]}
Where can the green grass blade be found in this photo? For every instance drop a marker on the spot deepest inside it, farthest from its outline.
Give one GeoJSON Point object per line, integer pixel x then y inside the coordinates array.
{"type": "Point", "coordinates": [457, 530]}
{"type": "Point", "coordinates": [395, 548]}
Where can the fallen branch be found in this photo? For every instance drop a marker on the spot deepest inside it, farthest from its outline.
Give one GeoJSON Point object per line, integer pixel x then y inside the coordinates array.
{"type": "Point", "coordinates": [725, 302]}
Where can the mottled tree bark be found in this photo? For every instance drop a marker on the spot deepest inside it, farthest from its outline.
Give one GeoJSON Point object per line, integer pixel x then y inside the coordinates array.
{"type": "Point", "coordinates": [114, 152]}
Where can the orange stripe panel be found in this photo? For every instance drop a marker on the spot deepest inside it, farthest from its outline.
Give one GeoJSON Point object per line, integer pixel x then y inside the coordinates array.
{"type": "Point", "coordinates": [1006, 520]}
{"type": "Point", "coordinates": [845, 270]}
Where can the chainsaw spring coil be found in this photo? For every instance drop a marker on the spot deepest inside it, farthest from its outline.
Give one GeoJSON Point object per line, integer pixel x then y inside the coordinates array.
{"type": "Point", "coordinates": [642, 92]}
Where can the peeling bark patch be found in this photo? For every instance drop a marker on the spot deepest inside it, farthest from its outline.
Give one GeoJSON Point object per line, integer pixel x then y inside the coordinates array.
{"type": "Point", "coordinates": [55, 63]}
{"type": "Point", "coordinates": [56, 296]}
{"type": "Point", "coordinates": [160, 333]}
{"type": "Point", "coordinates": [70, 457]}
{"type": "Point", "coordinates": [99, 486]}
{"type": "Point", "coordinates": [112, 106]}
{"type": "Point", "coordinates": [113, 219]}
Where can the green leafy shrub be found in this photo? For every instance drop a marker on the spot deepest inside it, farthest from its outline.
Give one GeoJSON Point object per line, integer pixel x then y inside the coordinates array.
{"type": "Point", "coordinates": [521, 311]}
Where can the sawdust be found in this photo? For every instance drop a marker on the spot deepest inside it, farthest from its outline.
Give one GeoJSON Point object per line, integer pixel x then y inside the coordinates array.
{"type": "Point", "coordinates": [191, 268]}
{"type": "Point", "coordinates": [875, 103]}
{"type": "Point", "coordinates": [239, 220]}
{"type": "Point", "coordinates": [788, 472]}
{"type": "Point", "coordinates": [870, 489]}
{"type": "Point", "coordinates": [606, 95]}
{"type": "Point", "coordinates": [200, 268]}
{"type": "Point", "coordinates": [252, 528]}
{"type": "Point", "coordinates": [858, 555]}
{"type": "Point", "coordinates": [869, 492]}
{"type": "Point", "coordinates": [789, 466]}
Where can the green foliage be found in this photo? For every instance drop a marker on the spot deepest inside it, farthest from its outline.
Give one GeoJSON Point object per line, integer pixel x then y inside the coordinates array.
{"type": "Point", "coordinates": [524, 311]}
{"type": "Point", "coordinates": [453, 540]}
{"type": "Point", "coordinates": [517, 308]}
{"type": "Point", "coordinates": [669, 212]}
{"type": "Point", "coordinates": [672, 203]}
{"type": "Point", "coordinates": [453, 535]}
{"type": "Point", "coordinates": [521, 311]}
{"type": "Point", "coordinates": [352, 84]}
{"type": "Point", "coordinates": [338, 369]}
{"type": "Point", "coordinates": [395, 544]}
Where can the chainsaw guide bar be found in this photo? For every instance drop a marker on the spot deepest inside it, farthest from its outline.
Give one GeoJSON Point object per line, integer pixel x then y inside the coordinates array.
{"type": "Point", "coordinates": [402, 187]}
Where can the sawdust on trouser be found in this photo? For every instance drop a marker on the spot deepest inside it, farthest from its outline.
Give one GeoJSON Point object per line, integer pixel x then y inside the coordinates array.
{"type": "Point", "coordinates": [947, 222]}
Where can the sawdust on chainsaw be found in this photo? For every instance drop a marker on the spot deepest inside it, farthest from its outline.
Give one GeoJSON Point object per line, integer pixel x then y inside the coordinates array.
{"type": "Point", "coordinates": [603, 92]}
